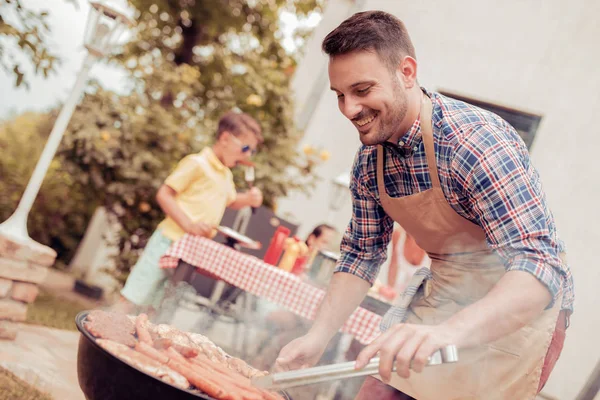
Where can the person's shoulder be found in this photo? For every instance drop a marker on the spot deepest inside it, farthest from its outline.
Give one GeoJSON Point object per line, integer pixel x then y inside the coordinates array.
{"type": "Point", "coordinates": [463, 124]}
{"type": "Point", "coordinates": [364, 160]}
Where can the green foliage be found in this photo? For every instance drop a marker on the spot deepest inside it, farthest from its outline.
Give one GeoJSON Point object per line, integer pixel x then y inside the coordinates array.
{"type": "Point", "coordinates": [23, 32]}
{"type": "Point", "coordinates": [62, 209]}
{"type": "Point", "coordinates": [190, 61]}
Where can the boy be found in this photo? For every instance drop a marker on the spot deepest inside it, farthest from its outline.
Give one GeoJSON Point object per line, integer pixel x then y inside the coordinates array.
{"type": "Point", "coordinates": [194, 198]}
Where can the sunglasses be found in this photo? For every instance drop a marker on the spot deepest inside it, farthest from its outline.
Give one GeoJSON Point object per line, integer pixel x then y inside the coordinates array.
{"type": "Point", "coordinates": [244, 147]}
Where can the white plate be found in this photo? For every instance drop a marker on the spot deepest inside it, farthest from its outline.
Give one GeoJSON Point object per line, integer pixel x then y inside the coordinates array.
{"type": "Point", "coordinates": [241, 239]}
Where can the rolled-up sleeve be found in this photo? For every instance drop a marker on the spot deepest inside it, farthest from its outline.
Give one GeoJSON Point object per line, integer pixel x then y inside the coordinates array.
{"type": "Point", "coordinates": [493, 170]}
{"type": "Point", "coordinates": [365, 241]}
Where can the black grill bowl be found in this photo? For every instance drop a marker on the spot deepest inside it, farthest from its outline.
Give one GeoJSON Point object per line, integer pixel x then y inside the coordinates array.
{"type": "Point", "coordinates": [103, 376]}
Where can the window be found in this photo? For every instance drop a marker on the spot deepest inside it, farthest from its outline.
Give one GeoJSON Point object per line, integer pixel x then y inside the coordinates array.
{"type": "Point", "coordinates": [526, 124]}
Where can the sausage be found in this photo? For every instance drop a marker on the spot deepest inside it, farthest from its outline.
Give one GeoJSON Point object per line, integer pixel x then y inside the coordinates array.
{"type": "Point", "coordinates": [248, 391]}
{"type": "Point", "coordinates": [229, 392]}
{"type": "Point", "coordinates": [142, 332]}
{"type": "Point", "coordinates": [151, 352]}
{"type": "Point", "coordinates": [185, 351]}
{"type": "Point", "coordinates": [162, 343]}
{"type": "Point", "coordinates": [148, 365]}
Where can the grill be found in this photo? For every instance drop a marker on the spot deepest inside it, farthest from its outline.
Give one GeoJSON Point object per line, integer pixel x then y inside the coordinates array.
{"type": "Point", "coordinates": [102, 376]}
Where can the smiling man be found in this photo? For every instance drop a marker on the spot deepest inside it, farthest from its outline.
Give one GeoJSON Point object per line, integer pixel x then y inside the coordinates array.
{"type": "Point", "coordinates": [459, 180]}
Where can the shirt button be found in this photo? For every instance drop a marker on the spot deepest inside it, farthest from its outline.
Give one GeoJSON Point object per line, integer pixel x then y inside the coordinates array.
{"type": "Point", "coordinates": [401, 143]}
{"type": "Point", "coordinates": [415, 148]}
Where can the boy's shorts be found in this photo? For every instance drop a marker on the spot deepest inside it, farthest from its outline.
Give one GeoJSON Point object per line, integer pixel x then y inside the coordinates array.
{"type": "Point", "coordinates": [146, 282]}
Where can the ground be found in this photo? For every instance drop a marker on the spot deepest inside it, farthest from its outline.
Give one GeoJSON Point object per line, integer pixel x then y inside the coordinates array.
{"type": "Point", "coordinates": [41, 364]}
{"type": "Point", "coordinates": [15, 388]}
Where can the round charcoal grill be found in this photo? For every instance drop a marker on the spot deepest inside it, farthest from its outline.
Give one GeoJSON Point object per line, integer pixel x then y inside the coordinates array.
{"type": "Point", "coordinates": [103, 376]}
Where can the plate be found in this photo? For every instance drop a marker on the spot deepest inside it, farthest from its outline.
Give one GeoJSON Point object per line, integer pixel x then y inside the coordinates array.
{"type": "Point", "coordinates": [241, 239]}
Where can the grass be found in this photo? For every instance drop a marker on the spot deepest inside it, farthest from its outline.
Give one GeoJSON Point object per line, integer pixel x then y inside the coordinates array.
{"type": "Point", "coordinates": [53, 312]}
{"type": "Point", "coordinates": [14, 388]}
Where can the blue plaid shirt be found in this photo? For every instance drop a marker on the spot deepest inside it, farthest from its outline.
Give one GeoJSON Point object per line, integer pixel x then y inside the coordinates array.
{"type": "Point", "coordinates": [486, 176]}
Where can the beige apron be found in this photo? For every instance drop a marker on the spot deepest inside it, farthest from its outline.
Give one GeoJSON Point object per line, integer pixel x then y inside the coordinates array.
{"type": "Point", "coordinates": [463, 270]}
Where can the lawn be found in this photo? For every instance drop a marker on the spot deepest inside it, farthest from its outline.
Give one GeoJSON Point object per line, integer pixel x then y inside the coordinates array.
{"type": "Point", "coordinates": [53, 312]}
{"type": "Point", "coordinates": [13, 388]}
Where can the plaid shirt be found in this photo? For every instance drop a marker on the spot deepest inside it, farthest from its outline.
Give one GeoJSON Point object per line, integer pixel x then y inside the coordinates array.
{"type": "Point", "coordinates": [486, 176]}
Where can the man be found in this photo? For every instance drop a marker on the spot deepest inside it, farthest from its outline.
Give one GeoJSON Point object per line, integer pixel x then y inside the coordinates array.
{"type": "Point", "coordinates": [459, 180]}
{"type": "Point", "coordinates": [194, 198]}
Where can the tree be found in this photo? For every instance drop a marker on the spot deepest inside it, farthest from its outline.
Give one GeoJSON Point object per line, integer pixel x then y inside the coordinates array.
{"type": "Point", "coordinates": [24, 34]}
{"type": "Point", "coordinates": [62, 209]}
{"type": "Point", "coordinates": [191, 61]}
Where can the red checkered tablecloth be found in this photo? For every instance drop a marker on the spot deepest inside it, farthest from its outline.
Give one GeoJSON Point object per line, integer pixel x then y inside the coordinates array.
{"type": "Point", "coordinates": [263, 280]}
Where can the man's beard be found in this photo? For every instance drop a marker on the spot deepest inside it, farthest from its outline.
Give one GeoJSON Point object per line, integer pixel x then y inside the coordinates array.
{"type": "Point", "coordinates": [386, 128]}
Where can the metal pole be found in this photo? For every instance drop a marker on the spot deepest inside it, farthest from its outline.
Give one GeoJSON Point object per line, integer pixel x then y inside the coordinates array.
{"type": "Point", "coordinates": [16, 225]}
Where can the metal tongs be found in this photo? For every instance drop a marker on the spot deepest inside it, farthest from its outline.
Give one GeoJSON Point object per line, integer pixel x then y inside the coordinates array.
{"type": "Point", "coordinates": [249, 178]}
{"type": "Point", "coordinates": [309, 376]}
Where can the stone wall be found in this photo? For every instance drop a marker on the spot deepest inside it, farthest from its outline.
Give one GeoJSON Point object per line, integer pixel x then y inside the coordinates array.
{"type": "Point", "coordinates": [23, 266]}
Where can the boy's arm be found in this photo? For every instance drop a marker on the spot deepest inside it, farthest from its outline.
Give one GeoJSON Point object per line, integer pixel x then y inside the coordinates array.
{"type": "Point", "coordinates": [166, 200]}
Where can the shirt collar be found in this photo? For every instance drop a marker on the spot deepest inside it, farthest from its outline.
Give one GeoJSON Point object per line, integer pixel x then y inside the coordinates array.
{"type": "Point", "coordinates": [409, 142]}
{"type": "Point", "coordinates": [213, 159]}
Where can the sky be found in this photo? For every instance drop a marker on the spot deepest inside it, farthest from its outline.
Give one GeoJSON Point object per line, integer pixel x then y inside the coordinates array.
{"type": "Point", "coordinates": [67, 24]}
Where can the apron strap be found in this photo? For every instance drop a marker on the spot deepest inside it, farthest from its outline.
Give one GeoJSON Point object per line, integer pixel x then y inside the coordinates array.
{"type": "Point", "coordinates": [427, 133]}
{"type": "Point", "coordinates": [398, 312]}
{"type": "Point", "coordinates": [380, 181]}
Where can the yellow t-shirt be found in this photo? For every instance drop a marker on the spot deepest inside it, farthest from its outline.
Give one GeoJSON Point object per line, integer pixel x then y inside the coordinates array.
{"type": "Point", "coordinates": [204, 189]}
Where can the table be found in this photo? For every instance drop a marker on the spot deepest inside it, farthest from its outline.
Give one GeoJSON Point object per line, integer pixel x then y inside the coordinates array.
{"type": "Point", "coordinates": [263, 280]}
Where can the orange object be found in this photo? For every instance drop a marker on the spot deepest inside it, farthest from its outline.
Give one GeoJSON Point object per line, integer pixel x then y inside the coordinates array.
{"type": "Point", "coordinates": [294, 248]}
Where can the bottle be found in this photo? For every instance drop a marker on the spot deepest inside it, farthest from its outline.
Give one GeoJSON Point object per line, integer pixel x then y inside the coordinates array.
{"type": "Point", "coordinates": [302, 260]}
{"type": "Point", "coordinates": [276, 245]}
{"type": "Point", "coordinates": [294, 248]}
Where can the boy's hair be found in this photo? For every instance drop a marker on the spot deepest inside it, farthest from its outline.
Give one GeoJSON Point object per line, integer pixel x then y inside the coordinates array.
{"type": "Point", "coordinates": [235, 122]}
{"type": "Point", "coordinates": [371, 31]}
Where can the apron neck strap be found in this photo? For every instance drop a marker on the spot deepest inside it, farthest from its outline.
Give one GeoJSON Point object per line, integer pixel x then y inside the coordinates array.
{"type": "Point", "coordinates": [380, 181]}
{"type": "Point", "coordinates": [427, 134]}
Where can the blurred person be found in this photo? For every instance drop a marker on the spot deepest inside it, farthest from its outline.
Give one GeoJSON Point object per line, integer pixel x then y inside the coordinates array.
{"type": "Point", "coordinates": [194, 197]}
{"type": "Point", "coordinates": [321, 237]}
{"type": "Point", "coordinates": [460, 181]}
{"type": "Point", "coordinates": [405, 258]}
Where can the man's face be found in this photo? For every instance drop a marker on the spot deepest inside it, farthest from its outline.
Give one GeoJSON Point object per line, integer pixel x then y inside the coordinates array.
{"type": "Point", "coordinates": [239, 148]}
{"type": "Point", "coordinates": [369, 95]}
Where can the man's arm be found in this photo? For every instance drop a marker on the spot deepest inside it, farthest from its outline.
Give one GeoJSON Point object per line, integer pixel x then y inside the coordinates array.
{"type": "Point", "coordinates": [492, 170]}
{"type": "Point", "coordinates": [510, 206]}
{"type": "Point", "coordinates": [363, 251]}
{"type": "Point", "coordinates": [344, 294]}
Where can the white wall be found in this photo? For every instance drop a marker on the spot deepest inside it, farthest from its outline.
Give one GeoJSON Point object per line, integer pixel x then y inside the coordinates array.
{"type": "Point", "coordinates": [535, 56]}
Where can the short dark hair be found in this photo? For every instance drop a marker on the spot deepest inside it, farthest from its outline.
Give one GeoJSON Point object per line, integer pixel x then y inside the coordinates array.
{"type": "Point", "coordinates": [318, 231]}
{"type": "Point", "coordinates": [371, 31]}
{"type": "Point", "coordinates": [233, 122]}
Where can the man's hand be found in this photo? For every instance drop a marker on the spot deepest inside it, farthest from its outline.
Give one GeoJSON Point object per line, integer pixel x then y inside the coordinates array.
{"type": "Point", "coordinates": [408, 345]}
{"type": "Point", "coordinates": [303, 352]}
{"type": "Point", "coordinates": [255, 197]}
{"type": "Point", "coordinates": [199, 229]}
